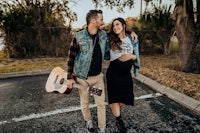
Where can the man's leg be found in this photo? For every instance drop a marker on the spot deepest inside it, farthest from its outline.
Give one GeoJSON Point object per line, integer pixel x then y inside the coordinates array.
{"type": "Point", "coordinates": [100, 102]}
{"type": "Point", "coordinates": [84, 101]}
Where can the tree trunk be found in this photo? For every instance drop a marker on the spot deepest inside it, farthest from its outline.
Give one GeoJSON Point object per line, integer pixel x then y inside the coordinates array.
{"type": "Point", "coordinates": [187, 37]}
{"type": "Point", "coordinates": [198, 14]}
{"type": "Point", "coordinates": [140, 7]}
{"type": "Point", "coordinates": [165, 37]}
{"type": "Point", "coordinates": [167, 48]}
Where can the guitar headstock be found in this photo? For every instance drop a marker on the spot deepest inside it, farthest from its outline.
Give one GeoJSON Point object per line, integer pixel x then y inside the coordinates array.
{"type": "Point", "coordinates": [95, 90]}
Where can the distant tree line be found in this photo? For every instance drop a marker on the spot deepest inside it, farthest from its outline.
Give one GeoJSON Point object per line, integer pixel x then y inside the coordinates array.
{"type": "Point", "coordinates": [36, 28]}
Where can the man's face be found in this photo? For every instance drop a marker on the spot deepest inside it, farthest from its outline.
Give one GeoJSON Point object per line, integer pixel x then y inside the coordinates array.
{"type": "Point", "coordinates": [99, 20]}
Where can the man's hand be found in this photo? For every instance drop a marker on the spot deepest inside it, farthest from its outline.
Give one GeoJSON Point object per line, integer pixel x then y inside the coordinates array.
{"type": "Point", "coordinates": [126, 57]}
{"type": "Point", "coordinates": [134, 35]}
{"type": "Point", "coordinates": [70, 83]}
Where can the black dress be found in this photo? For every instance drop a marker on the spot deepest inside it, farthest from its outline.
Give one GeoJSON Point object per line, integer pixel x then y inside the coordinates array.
{"type": "Point", "coordinates": [120, 82]}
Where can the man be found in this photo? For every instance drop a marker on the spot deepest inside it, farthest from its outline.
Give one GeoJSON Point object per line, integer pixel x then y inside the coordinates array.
{"type": "Point", "coordinates": [85, 58]}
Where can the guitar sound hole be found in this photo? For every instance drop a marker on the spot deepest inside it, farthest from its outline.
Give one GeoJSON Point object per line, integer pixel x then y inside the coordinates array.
{"type": "Point", "coordinates": [62, 81]}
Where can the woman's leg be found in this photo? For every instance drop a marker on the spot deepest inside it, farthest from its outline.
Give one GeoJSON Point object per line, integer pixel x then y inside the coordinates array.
{"type": "Point", "coordinates": [121, 104]}
{"type": "Point", "coordinates": [115, 107]}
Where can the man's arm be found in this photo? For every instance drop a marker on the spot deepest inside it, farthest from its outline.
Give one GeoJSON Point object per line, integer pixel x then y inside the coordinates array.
{"type": "Point", "coordinates": [107, 51]}
{"type": "Point", "coordinates": [73, 50]}
{"type": "Point", "coordinates": [133, 35]}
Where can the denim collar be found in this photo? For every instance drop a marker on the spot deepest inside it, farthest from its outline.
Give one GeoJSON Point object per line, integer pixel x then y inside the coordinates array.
{"type": "Point", "coordinates": [88, 34]}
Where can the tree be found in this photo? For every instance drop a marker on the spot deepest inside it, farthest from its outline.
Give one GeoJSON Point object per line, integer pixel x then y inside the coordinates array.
{"type": "Point", "coordinates": [36, 27]}
{"type": "Point", "coordinates": [120, 4]}
{"type": "Point", "coordinates": [188, 32]}
{"type": "Point", "coordinates": [158, 21]}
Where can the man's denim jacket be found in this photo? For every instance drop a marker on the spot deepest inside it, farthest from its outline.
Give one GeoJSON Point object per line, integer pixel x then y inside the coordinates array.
{"type": "Point", "coordinates": [136, 63]}
{"type": "Point", "coordinates": [84, 57]}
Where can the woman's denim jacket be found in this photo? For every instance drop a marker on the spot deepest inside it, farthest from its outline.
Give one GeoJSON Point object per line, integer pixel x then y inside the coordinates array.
{"type": "Point", "coordinates": [84, 56]}
{"type": "Point", "coordinates": [136, 63]}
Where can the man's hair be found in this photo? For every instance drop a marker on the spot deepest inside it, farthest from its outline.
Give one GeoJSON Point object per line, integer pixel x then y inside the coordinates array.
{"type": "Point", "coordinates": [92, 14]}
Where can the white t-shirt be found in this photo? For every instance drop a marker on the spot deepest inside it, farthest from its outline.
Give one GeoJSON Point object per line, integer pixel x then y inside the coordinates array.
{"type": "Point", "coordinates": [126, 46]}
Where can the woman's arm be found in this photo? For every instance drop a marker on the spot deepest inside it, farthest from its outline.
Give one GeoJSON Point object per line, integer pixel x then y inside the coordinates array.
{"type": "Point", "coordinates": [126, 57]}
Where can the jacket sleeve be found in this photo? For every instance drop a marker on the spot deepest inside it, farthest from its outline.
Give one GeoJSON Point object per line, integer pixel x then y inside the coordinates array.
{"type": "Point", "coordinates": [107, 51]}
{"type": "Point", "coordinates": [73, 50]}
{"type": "Point", "coordinates": [136, 63]}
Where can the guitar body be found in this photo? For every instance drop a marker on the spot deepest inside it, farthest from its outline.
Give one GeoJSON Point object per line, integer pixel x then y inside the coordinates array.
{"type": "Point", "coordinates": [56, 82]}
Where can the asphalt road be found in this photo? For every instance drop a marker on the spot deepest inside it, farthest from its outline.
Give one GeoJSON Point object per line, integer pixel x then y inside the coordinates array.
{"type": "Point", "coordinates": [25, 107]}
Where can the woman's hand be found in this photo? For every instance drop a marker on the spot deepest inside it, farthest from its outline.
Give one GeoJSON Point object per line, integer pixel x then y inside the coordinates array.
{"type": "Point", "coordinates": [126, 57]}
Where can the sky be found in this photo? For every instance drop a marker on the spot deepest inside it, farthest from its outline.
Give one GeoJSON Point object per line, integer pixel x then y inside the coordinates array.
{"type": "Point", "coordinates": [83, 6]}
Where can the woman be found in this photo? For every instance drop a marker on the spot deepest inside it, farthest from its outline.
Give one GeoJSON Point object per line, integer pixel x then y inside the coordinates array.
{"type": "Point", "coordinates": [123, 55]}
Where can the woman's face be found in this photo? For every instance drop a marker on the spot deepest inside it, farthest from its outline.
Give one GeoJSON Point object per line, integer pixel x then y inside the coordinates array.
{"type": "Point", "coordinates": [118, 27]}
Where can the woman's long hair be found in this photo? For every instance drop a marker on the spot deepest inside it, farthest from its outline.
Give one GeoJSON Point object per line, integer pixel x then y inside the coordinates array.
{"type": "Point", "coordinates": [113, 38]}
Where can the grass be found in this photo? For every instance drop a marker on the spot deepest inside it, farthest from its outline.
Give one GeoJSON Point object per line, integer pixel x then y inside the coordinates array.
{"type": "Point", "coordinates": [163, 69]}
{"type": "Point", "coordinates": [15, 65]}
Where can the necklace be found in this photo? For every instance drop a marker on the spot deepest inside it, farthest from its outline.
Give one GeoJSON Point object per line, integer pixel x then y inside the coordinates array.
{"type": "Point", "coordinates": [94, 39]}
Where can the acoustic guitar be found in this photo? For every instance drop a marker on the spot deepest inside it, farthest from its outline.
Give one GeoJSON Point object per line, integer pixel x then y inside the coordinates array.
{"type": "Point", "coordinates": [56, 82]}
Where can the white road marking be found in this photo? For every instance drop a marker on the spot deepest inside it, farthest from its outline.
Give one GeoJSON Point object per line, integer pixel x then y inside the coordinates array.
{"type": "Point", "coordinates": [5, 84]}
{"type": "Point", "coordinates": [148, 96]}
{"type": "Point", "coordinates": [65, 110]}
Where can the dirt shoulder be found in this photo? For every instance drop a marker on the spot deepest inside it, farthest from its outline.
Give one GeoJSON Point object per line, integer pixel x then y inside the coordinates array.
{"type": "Point", "coordinates": [165, 70]}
